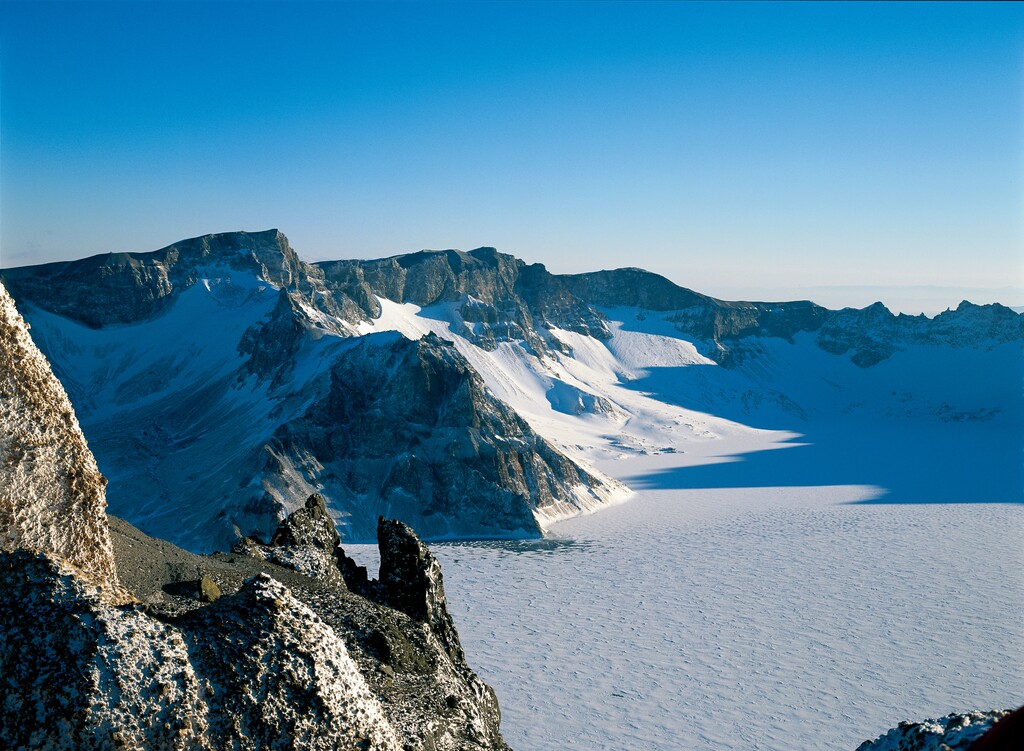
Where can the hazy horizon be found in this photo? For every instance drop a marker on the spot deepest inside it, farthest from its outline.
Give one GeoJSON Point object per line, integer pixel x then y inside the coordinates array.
{"type": "Point", "coordinates": [733, 148]}
{"type": "Point", "coordinates": [929, 300]}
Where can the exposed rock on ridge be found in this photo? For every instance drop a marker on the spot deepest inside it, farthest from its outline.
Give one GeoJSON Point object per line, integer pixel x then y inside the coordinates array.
{"type": "Point", "coordinates": [273, 382]}
{"type": "Point", "coordinates": [52, 495]}
{"type": "Point", "coordinates": [128, 287]}
{"type": "Point", "coordinates": [408, 429]}
{"type": "Point", "coordinates": [285, 658]}
{"type": "Point", "coordinates": [499, 297]}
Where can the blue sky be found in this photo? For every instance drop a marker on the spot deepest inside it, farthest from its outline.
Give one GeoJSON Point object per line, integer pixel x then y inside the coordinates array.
{"type": "Point", "coordinates": [735, 148]}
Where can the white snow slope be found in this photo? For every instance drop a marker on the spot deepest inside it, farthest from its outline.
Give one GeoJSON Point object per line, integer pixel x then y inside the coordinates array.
{"type": "Point", "coordinates": [166, 408]}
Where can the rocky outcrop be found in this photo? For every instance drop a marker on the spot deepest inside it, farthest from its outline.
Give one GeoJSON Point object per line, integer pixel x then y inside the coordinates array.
{"type": "Point", "coordinates": [257, 669]}
{"type": "Point", "coordinates": [281, 659]}
{"type": "Point", "coordinates": [497, 297]}
{"type": "Point", "coordinates": [112, 639]}
{"type": "Point", "coordinates": [411, 581]}
{"type": "Point", "coordinates": [408, 429]}
{"type": "Point", "coordinates": [218, 432]}
{"type": "Point", "coordinates": [52, 496]}
{"type": "Point", "coordinates": [954, 732]}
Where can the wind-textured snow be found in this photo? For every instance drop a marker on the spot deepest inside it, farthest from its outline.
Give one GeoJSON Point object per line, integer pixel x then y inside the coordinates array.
{"type": "Point", "coordinates": [814, 553]}
{"type": "Point", "coordinates": [743, 618]}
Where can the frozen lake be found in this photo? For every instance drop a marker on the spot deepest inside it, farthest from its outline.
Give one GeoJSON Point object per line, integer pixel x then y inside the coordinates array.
{"type": "Point", "coordinates": [743, 618]}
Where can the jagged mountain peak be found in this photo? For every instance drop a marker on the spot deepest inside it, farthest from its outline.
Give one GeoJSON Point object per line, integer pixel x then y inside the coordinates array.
{"type": "Point", "coordinates": [284, 363]}
{"type": "Point", "coordinates": [118, 288]}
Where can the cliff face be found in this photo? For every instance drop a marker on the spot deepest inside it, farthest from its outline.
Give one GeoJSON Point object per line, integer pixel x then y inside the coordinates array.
{"type": "Point", "coordinates": [52, 496]}
{"type": "Point", "coordinates": [130, 287]}
{"type": "Point", "coordinates": [407, 429]}
{"type": "Point", "coordinates": [498, 297]}
{"type": "Point", "coordinates": [221, 380]}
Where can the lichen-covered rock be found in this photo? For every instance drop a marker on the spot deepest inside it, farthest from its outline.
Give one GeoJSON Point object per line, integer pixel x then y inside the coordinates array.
{"type": "Point", "coordinates": [256, 670]}
{"type": "Point", "coordinates": [52, 494]}
{"type": "Point", "coordinates": [954, 732]}
{"type": "Point", "coordinates": [208, 590]}
{"type": "Point", "coordinates": [281, 678]}
{"type": "Point", "coordinates": [79, 673]}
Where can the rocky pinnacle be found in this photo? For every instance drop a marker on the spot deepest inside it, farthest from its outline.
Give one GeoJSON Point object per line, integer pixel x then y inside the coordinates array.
{"type": "Point", "coordinates": [52, 495]}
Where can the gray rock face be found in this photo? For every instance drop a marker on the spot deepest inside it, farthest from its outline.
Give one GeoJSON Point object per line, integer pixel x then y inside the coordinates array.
{"type": "Point", "coordinates": [129, 287]}
{"type": "Point", "coordinates": [411, 581]}
{"type": "Point", "coordinates": [408, 429]}
{"type": "Point", "coordinates": [299, 409]}
{"type": "Point", "coordinates": [498, 296]}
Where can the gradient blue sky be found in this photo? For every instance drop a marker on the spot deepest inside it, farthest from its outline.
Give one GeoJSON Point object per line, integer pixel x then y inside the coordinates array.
{"type": "Point", "coordinates": [732, 147]}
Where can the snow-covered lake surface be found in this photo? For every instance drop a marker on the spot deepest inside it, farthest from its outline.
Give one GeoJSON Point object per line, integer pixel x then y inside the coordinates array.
{"type": "Point", "coordinates": [743, 618]}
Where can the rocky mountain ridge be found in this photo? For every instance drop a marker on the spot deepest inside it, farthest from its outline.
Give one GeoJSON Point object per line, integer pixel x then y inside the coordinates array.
{"type": "Point", "coordinates": [268, 374]}
{"type": "Point", "coordinates": [260, 404]}
{"type": "Point", "coordinates": [112, 639]}
{"type": "Point", "coordinates": [499, 297]}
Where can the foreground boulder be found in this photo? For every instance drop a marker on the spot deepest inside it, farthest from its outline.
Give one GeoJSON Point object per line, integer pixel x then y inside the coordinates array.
{"type": "Point", "coordinates": [281, 659]}
{"type": "Point", "coordinates": [52, 495]}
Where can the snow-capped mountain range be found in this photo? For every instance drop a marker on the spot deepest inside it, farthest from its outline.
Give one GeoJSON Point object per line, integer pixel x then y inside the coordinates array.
{"type": "Point", "coordinates": [222, 380]}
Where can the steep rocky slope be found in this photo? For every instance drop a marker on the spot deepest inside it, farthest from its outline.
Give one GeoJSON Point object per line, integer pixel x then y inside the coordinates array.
{"type": "Point", "coordinates": [408, 429]}
{"type": "Point", "coordinates": [111, 639]}
{"type": "Point", "coordinates": [245, 404]}
{"type": "Point", "coordinates": [215, 431]}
